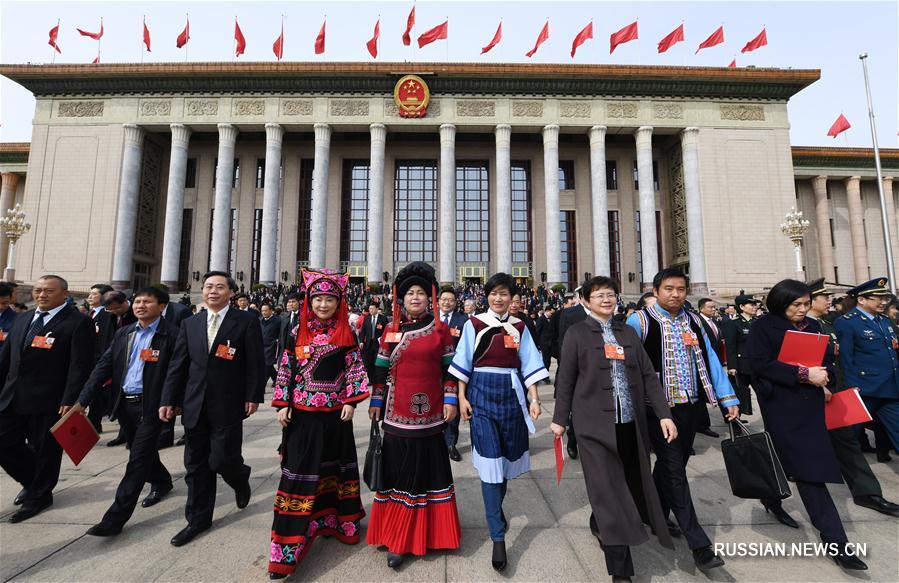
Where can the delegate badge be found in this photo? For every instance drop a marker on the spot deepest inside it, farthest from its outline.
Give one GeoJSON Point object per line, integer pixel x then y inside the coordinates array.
{"type": "Point", "coordinates": [225, 351]}
{"type": "Point", "coordinates": [614, 352]}
{"type": "Point", "coordinates": [149, 355]}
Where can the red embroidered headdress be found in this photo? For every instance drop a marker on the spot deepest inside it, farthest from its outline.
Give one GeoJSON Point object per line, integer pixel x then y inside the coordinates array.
{"type": "Point", "coordinates": [318, 282]}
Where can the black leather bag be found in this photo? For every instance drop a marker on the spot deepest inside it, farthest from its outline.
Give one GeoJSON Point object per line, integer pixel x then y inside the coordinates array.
{"type": "Point", "coordinates": [372, 473]}
{"type": "Point", "coordinates": [753, 468]}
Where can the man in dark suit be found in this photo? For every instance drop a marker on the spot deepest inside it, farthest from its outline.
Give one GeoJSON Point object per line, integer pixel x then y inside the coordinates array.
{"type": "Point", "coordinates": [43, 364]}
{"type": "Point", "coordinates": [373, 325]}
{"type": "Point", "coordinates": [447, 301]}
{"type": "Point", "coordinates": [289, 321]}
{"type": "Point", "coordinates": [736, 333]}
{"type": "Point", "coordinates": [545, 336]}
{"type": "Point", "coordinates": [7, 313]}
{"type": "Point", "coordinates": [173, 313]}
{"type": "Point", "coordinates": [271, 331]}
{"type": "Point", "coordinates": [708, 309]}
{"type": "Point", "coordinates": [217, 379]}
{"type": "Point", "coordinates": [119, 309]}
{"type": "Point", "coordinates": [137, 363]}
{"type": "Point", "coordinates": [568, 317]}
{"type": "Point", "coordinates": [105, 330]}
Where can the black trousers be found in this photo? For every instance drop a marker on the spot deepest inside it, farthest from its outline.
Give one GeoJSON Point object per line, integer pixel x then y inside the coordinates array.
{"type": "Point", "coordinates": [853, 465]}
{"type": "Point", "coordinates": [703, 421]}
{"type": "Point", "coordinates": [670, 471]}
{"type": "Point", "coordinates": [167, 434]}
{"type": "Point", "coordinates": [547, 353]}
{"type": "Point", "coordinates": [273, 372]}
{"type": "Point", "coordinates": [99, 407]}
{"type": "Point", "coordinates": [208, 451]}
{"type": "Point", "coordinates": [451, 432]}
{"type": "Point", "coordinates": [143, 462]}
{"type": "Point", "coordinates": [741, 386]}
{"type": "Point", "coordinates": [821, 511]}
{"type": "Point", "coordinates": [34, 465]}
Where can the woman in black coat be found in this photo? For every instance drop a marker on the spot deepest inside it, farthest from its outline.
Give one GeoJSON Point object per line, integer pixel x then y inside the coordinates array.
{"type": "Point", "coordinates": [792, 401]}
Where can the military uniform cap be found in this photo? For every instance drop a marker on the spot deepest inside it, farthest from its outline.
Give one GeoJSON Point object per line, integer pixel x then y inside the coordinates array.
{"type": "Point", "coordinates": [819, 288]}
{"type": "Point", "coordinates": [745, 299]}
{"type": "Point", "coordinates": [875, 287]}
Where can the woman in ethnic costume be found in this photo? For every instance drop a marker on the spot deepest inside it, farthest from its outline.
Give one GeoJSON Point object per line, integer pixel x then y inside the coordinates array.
{"type": "Point", "coordinates": [319, 383]}
{"type": "Point", "coordinates": [416, 510]}
{"type": "Point", "coordinates": [495, 359]}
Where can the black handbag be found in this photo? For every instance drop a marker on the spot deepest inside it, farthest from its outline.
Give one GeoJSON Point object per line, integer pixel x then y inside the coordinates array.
{"type": "Point", "coordinates": [753, 468]}
{"type": "Point", "coordinates": [372, 473]}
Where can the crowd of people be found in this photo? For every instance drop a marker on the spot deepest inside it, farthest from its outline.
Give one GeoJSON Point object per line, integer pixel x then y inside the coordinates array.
{"type": "Point", "coordinates": [631, 380]}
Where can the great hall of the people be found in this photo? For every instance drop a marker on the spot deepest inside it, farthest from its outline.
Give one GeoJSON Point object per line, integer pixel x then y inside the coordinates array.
{"type": "Point", "coordinates": [138, 174]}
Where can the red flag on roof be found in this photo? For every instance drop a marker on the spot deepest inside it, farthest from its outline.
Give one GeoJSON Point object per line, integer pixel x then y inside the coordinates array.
{"type": "Point", "coordinates": [372, 44]}
{"type": "Point", "coordinates": [626, 34]}
{"type": "Point", "coordinates": [278, 47]}
{"type": "Point", "coordinates": [93, 35]}
{"type": "Point", "coordinates": [439, 32]}
{"type": "Point", "coordinates": [674, 37]}
{"type": "Point", "coordinates": [184, 36]}
{"type": "Point", "coordinates": [541, 38]}
{"type": "Point", "coordinates": [147, 36]}
{"type": "Point", "coordinates": [733, 64]}
{"type": "Point", "coordinates": [241, 41]}
{"type": "Point", "coordinates": [582, 37]}
{"type": "Point", "coordinates": [498, 36]}
{"type": "Point", "coordinates": [839, 126]}
{"type": "Point", "coordinates": [410, 22]}
{"type": "Point", "coordinates": [54, 32]}
{"type": "Point", "coordinates": [716, 38]}
{"type": "Point", "coordinates": [96, 60]}
{"type": "Point", "coordinates": [320, 40]}
{"type": "Point", "coordinates": [758, 42]}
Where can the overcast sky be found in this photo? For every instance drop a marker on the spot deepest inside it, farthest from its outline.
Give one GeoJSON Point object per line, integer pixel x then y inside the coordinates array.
{"type": "Point", "coordinates": [807, 35]}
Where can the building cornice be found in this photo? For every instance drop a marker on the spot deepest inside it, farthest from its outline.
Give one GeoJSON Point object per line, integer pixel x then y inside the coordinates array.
{"type": "Point", "coordinates": [14, 152]}
{"type": "Point", "coordinates": [443, 78]}
{"type": "Point", "coordinates": [827, 157]}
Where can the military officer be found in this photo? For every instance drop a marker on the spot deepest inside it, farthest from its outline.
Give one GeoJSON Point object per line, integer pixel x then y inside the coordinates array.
{"type": "Point", "coordinates": [736, 332]}
{"type": "Point", "coordinates": [868, 354]}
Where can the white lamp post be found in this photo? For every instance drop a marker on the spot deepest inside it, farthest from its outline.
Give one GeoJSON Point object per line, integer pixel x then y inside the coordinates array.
{"type": "Point", "coordinates": [795, 229]}
{"type": "Point", "coordinates": [14, 227]}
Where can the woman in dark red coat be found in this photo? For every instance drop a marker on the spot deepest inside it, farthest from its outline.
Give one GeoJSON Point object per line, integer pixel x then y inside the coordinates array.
{"type": "Point", "coordinates": [792, 401]}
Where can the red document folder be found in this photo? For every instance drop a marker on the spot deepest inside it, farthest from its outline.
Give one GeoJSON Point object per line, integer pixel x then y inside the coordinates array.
{"type": "Point", "coordinates": [75, 434]}
{"type": "Point", "coordinates": [803, 348]}
{"type": "Point", "coordinates": [560, 459]}
{"type": "Point", "coordinates": [845, 408]}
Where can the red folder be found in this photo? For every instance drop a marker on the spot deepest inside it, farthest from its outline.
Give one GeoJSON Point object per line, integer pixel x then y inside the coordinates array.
{"type": "Point", "coordinates": [803, 348]}
{"type": "Point", "coordinates": [845, 408]}
{"type": "Point", "coordinates": [75, 434]}
{"type": "Point", "coordinates": [560, 459]}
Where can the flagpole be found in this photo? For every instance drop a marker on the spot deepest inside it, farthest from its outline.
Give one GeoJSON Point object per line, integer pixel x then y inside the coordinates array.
{"type": "Point", "coordinates": [282, 38]}
{"type": "Point", "coordinates": [234, 44]}
{"type": "Point", "coordinates": [186, 42]}
{"type": "Point", "coordinates": [447, 38]}
{"type": "Point", "coordinates": [891, 272]}
{"type": "Point", "coordinates": [142, 40]}
{"type": "Point", "coordinates": [99, 40]}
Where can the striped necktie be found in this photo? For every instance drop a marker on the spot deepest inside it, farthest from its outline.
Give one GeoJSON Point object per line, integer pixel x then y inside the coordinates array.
{"type": "Point", "coordinates": [36, 327]}
{"type": "Point", "coordinates": [212, 329]}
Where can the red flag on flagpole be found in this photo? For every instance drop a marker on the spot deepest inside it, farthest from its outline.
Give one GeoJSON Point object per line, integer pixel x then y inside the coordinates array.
{"type": "Point", "coordinates": [626, 34]}
{"type": "Point", "coordinates": [410, 22]}
{"type": "Point", "coordinates": [439, 32]}
{"type": "Point", "coordinates": [676, 36]}
{"type": "Point", "coordinates": [758, 42]}
{"type": "Point", "coordinates": [54, 33]}
{"type": "Point", "coordinates": [184, 36]}
{"type": "Point", "coordinates": [96, 60]}
{"type": "Point", "coordinates": [582, 37]}
{"type": "Point", "coordinates": [839, 126]}
{"type": "Point", "coordinates": [147, 36]}
{"type": "Point", "coordinates": [320, 40]}
{"type": "Point", "coordinates": [716, 38]}
{"type": "Point", "coordinates": [498, 36]}
{"type": "Point", "coordinates": [278, 47]}
{"type": "Point", "coordinates": [733, 64]}
{"type": "Point", "coordinates": [372, 44]}
{"type": "Point", "coordinates": [93, 35]}
{"type": "Point", "coordinates": [541, 38]}
{"type": "Point", "coordinates": [241, 42]}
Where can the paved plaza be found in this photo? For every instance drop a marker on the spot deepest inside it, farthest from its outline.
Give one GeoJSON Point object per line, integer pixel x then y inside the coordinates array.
{"type": "Point", "coordinates": [549, 539]}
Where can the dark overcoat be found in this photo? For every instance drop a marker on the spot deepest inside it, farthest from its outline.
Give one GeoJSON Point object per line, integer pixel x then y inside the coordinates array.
{"type": "Point", "coordinates": [584, 388]}
{"type": "Point", "coordinates": [793, 411]}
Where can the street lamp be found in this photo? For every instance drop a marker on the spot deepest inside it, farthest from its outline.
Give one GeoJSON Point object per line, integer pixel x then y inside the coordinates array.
{"type": "Point", "coordinates": [795, 229]}
{"type": "Point", "coordinates": [14, 227]}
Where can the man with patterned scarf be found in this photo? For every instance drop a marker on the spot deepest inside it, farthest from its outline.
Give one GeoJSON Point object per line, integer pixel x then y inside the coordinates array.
{"type": "Point", "coordinates": [686, 364]}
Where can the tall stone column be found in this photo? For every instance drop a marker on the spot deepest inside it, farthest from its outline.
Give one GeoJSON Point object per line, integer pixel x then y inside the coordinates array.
{"type": "Point", "coordinates": [891, 217]}
{"type": "Point", "coordinates": [446, 239]}
{"type": "Point", "coordinates": [126, 220]}
{"type": "Point", "coordinates": [647, 195]}
{"type": "Point", "coordinates": [271, 198]}
{"type": "Point", "coordinates": [504, 198]}
{"type": "Point", "coordinates": [822, 218]}
{"type": "Point", "coordinates": [857, 228]}
{"type": "Point", "coordinates": [224, 182]}
{"type": "Point", "coordinates": [599, 198]}
{"type": "Point", "coordinates": [318, 223]}
{"type": "Point", "coordinates": [693, 201]}
{"type": "Point", "coordinates": [378, 133]}
{"type": "Point", "coordinates": [551, 204]}
{"type": "Point", "coordinates": [7, 201]}
{"type": "Point", "coordinates": [174, 206]}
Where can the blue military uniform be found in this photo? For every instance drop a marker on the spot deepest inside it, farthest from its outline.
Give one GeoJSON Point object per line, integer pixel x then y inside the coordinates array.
{"type": "Point", "coordinates": [869, 359]}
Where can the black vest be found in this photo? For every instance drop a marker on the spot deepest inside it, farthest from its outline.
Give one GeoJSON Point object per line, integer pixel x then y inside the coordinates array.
{"type": "Point", "coordinates": [652, 342]}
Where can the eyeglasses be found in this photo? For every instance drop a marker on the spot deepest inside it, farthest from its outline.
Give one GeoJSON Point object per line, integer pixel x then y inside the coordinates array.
{"type": "Point", "coordinates": [601, 297]}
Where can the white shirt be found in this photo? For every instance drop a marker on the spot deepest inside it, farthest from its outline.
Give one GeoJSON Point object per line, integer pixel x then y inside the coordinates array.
{"type": "Point", "coordinates": [50, 313]}
{"type": "Point", "coordinates": [221, 314]}
{"type": "Point", "coordinates": [95, 311]}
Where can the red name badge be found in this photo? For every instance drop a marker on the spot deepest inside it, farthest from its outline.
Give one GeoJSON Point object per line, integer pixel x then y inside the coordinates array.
{"type": "Point", "coordinates": [614, 352]}
{"type": "Point", "coordinates": [454, 332]}
{"type": "Point", "coordinates": [689, 338]}
{"type": "Point", "coordinates": [510, 342]}
{"type": "Point", "coordinates": [149, 355]}
{"type": "Point", "coordinates": [379, 326]}
{"type": "Point", "coordinates": [2, 336]}
{"type": "Point", "coordinates": [225, 352]}
{"type": "Point", "coordinates": [394, 336]}
{"type": "Point", "coordinates": [304, 352]}
{"type": "Point", "coordinates": [44, 342]}
{"type": "Point", "coordinates": [895, 344]}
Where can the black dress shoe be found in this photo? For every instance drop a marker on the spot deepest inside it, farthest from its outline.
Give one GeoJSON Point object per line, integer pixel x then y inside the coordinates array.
{"type": "Point", "coordinates": [780, 514]}
{"type": "Point", "coordinates": [187, 534]}
{"type": "Point", "coordinates": [276, 575]}
{"type": "Point", "coordinates": [620, 579]}
{"type": "Point", "coordinates": [394, 560]}
{"type": "Point", "coordinates": [850, 562]}
{"type": "Point", "coordinates": [454, 454]}
{"type": "Point", "coordinates": [27, 512]}
{"type": "Point", "coordinates": [115, 442]}
{"type": "Point", "coordinates": [242, 495]}
{"type": "Point", "coordinates": [705, 558]}
{"type": "Point", "coordinates": [499, 555]}
{"type": "Point", "coordinates": [102, 529]}
{"type": "Point", "coordinates": [20, 497]}
{"type": "Point", "coordinates": [572, 450]}
{"type": "Point", "coordinates": [708, 432]}
{"type": "Point", "coordinates": [875, 502]}
{"type": "Point", "coordinates": [884, 457]}
{"type": "Point", "coordinates": [155, 495]}
{"type": "Point", "coordinates": [673, 529]}
{"type": "Point", "coordinates": [180, 441]}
